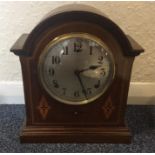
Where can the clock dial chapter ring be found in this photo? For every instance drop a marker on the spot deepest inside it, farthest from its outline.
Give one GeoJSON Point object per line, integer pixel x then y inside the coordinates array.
{"type": "Point", "coordinates": [76, 68]}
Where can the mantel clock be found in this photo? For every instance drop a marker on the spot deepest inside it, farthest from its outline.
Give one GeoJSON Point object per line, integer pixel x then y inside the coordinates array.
{"type": "Point", "coordinates": [76, 66]}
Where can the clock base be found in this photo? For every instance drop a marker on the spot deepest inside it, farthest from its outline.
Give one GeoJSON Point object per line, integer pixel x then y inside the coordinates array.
{"type": "Point", "coordinates": [39, 134]}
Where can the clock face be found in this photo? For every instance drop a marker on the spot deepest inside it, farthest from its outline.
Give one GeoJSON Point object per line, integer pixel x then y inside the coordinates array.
{"type": "Point", "coordinates": [76, 68]}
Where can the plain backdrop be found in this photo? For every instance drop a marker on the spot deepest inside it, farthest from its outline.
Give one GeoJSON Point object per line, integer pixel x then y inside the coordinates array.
{"type": "Point", "coordinates": [135, 18]}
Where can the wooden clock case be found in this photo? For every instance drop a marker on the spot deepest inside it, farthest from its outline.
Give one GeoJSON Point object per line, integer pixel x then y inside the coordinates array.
{"type": "Point", "coordinates": [48, 120]}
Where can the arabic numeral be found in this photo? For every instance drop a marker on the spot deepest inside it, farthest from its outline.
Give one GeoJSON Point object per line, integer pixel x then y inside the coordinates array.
{"type": "Point", "coordinates": [56, 60]}
{"type": "Point", "coordinates": [91, 50]}
{"type": "Point", "coordinates": [76, 94]}
{"type": "Point", "coordinates": [65, 50]}
{"type": "Point", "coordinates": [55, 83]}
{"type": "Point", "coordinates": [51, 71]}
{"type": "Point", "coordinates": [77, 47]}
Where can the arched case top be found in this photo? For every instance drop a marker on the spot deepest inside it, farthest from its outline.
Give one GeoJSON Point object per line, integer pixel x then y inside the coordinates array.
{"type": "Point", "coordinates": [24, 46]}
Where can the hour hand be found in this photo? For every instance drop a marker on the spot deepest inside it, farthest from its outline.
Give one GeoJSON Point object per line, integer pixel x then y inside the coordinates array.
{"type": "Point", "coordinates": [92, 67]}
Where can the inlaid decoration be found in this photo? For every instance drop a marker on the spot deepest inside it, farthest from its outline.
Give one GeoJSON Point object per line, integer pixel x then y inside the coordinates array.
{"type": "Point", "coordinates": [43, 108]}
{"type": "Point", "coordinates": [108, 108]}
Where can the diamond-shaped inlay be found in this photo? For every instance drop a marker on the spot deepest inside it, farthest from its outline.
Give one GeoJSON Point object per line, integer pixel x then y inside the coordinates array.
{"type": "Point", "coordinates": [43, 108]}
{"type": "Point", "coordinates": [108, 108]}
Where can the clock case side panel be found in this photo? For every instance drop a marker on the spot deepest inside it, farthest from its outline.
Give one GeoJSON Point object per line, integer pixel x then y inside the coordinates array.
{"type": "Point", "coordinates": [28, 90]}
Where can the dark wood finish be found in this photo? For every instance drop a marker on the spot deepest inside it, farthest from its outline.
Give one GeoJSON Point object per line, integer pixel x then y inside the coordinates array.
{"type": "Point", "coordinates": [135, 46]}
{"type": "Point", "coordinates": [48, 120]}
{"type": "Point", "coordinates": [17, 48]}
{"type": "Point", "coordinates": [82, 135]}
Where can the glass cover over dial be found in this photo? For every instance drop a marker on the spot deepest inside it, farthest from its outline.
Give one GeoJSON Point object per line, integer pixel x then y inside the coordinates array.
{"type": "Point", "coordinates": [76, 68]}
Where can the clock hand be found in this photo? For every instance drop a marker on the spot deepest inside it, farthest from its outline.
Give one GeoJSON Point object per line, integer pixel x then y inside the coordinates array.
{"type": "Point", "coordinates": [93, 67]}
{"type": "Point", "coordinates": [77, 73]}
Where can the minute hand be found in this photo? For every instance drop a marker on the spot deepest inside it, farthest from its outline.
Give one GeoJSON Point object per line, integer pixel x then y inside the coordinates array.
{"type": "Point", "coordinates": [77, 73]}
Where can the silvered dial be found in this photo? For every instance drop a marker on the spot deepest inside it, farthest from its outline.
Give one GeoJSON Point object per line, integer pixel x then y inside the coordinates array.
{"type": "Point", "coordinates": [76, 68]}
